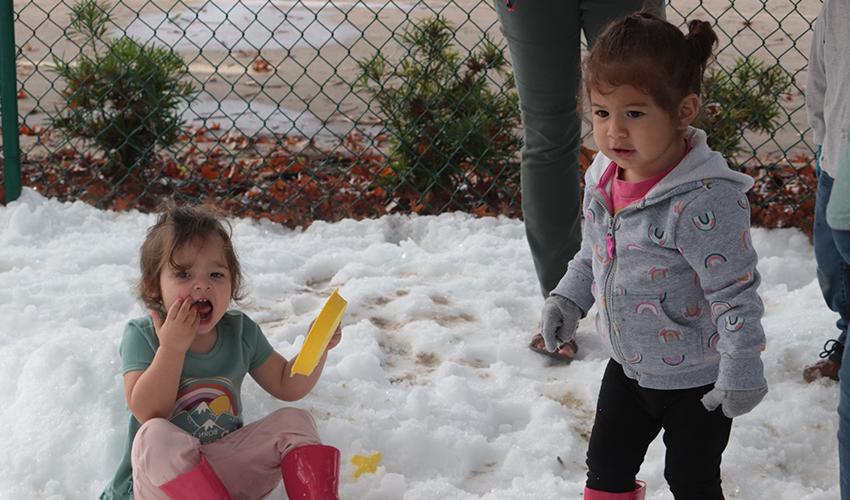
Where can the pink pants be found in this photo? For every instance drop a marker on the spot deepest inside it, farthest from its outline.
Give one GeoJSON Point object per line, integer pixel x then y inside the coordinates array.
{"type": "Point", "coordinates": [247, 460]}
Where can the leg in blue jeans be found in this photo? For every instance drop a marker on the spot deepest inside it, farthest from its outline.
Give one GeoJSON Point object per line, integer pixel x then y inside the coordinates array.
{"type": "Point", "coordinates": [842, 243]}
{"type": "Point", "coordinates": [832, 264]}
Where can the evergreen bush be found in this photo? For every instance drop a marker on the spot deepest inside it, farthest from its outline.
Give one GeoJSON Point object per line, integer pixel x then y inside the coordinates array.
{"type": "Point", "coordinates": [121, 95]}
{"type": "Point", "coordinates": [446, 119]}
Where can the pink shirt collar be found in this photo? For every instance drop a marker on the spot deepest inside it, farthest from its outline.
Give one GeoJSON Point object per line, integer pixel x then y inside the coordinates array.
{"type": "Point", "coordinates": [623, 193]}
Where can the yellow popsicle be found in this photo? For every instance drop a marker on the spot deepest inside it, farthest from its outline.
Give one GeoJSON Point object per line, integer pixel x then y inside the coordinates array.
{"type": "Point", "coordinates": [319, 335]}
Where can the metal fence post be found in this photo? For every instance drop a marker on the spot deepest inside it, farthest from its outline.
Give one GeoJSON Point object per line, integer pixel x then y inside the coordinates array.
{"type": "Point", "coordinates": [9, 103]}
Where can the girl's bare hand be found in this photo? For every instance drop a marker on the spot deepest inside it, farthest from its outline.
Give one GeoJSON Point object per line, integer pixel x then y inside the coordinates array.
{"type": "Point", "coordinates": [180, 326]}
{"type": "Point", "coordinates": [335, 338]}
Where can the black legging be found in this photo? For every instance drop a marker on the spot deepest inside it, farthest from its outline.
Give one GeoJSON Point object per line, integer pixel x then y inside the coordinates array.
{"type": "Point", "coordinates": [628, 417]}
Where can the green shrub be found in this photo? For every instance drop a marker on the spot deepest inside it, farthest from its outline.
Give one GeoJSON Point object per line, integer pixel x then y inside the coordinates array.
{"type": "Point", "coordinates": [745, 98]}
{"type": "Point", "coordinates": [445, 119]}
{"type": "Point", "coordinates": [122, 96]}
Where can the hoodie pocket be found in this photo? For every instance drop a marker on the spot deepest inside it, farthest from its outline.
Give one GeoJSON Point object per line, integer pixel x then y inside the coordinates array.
{"type": "Point", "coordinates": [653, 342]}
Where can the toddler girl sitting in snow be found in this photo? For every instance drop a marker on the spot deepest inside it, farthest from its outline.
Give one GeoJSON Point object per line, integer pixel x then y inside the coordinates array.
{"type": "Point", "coordinates": [183, 368]}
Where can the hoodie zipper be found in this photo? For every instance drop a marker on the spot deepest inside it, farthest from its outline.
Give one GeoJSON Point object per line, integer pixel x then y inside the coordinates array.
{"type": "Point", "coordinates": [608, 281]}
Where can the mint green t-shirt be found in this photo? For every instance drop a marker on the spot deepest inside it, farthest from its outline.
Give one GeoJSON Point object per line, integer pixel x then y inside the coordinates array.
{"type": "Point", "coordinates": [208, 404]}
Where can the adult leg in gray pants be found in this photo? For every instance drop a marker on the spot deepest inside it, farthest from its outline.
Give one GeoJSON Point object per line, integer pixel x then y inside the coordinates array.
{"type": "Point", "coordinates": [543, 37]}
{"type": "Point", "coordinates": [544, 41]}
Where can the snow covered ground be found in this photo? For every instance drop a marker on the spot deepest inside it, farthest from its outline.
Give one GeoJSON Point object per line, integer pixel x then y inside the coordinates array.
{"type": "Point", "coordinates": [432, 371]}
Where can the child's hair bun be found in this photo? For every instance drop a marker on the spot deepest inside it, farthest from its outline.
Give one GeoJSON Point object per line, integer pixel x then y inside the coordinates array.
{"type": "Point", "coordinates": [701, 39]}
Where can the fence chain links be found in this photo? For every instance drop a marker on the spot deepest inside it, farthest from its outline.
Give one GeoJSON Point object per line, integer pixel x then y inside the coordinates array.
{"type": "Point", "coordinates": [276, 126]}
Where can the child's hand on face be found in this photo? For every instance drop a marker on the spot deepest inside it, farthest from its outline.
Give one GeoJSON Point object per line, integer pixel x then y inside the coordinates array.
{"type": "Point", "coordinates": [180, 326]}
{"type": "Point", "coordinates": [335, 338]}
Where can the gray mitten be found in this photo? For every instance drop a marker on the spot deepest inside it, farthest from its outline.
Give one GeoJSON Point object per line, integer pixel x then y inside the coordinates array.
{"type": "Point", "coordinates": [734, 403]}
{"type": "Point", "coordinates": [560, 320]}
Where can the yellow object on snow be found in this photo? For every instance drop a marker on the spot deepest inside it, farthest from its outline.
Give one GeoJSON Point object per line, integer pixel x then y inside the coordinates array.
{"type": "Point", "coordinates": [319, 335]}
{"type": "Point", "coordinates": [366, 463]}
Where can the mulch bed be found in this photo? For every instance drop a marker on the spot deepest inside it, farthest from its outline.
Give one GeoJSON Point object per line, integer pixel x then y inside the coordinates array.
{"type": "Point", "coordinates": [293, 181]}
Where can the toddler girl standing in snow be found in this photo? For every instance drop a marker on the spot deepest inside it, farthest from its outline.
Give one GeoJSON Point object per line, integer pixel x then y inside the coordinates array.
{"type": "Point", "coordinates": [183, 368]}
{"type": "Point", "coordinates": [666, 256]}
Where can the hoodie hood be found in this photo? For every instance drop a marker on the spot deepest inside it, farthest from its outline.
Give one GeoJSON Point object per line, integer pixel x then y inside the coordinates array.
{"type": "Point", "coordinates": [700, 164]}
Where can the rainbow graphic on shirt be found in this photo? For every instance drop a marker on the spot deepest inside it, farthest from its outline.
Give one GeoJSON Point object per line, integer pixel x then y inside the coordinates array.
{"type": "Point", "coordinates": [705, 222]}
{"type": "Point", "coordinates": [656, 235]}
{"type": "Point", "coordinates": [718, 308]}
{"type": "Point", "coordinates": [667, 336]}
{"type": "Point", "coordinates": [647, 307]}
{"type": "Point", "coordinates": [656, 273]}
{"type": "Point", "coordinates": [695, 280]}
{"type": "Point", "coordinates": [734, 323]}
{"type": "Point", "coordinates": [745, 278]}
{"type": "Point", "coordinates": [714, 260]}
{"type": "Point", "coordinates": [206, 408]}
{"type": "Point", "coordinates": [601, 255]}
{"type": "Point", "coordinates": [713, 340]}
{"type": "Point", "coordinates": [692, 311]}
{"type": "Point", "coordinates": [674, 360]}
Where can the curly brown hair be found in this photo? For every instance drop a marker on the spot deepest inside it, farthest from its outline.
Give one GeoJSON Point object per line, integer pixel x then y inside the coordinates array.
{"type": "Point", "coordinates": [175, 227]}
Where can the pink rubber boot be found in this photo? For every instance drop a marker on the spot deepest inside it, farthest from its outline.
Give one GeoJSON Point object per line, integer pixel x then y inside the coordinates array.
{"type": "Point", "coordinates": [311, 472]}
{"type": "Point", "coordinates": [200, 483]}
{"type": "Point", "coordinates": [639, 493]}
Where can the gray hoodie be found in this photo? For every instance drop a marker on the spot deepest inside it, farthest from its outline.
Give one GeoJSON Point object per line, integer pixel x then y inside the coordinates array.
{"type": "Point", "coordinates": [674, 276]}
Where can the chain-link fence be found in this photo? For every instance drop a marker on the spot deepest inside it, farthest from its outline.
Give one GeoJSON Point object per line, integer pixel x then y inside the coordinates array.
{"type": "Point", "coordinates": [262, 108]}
